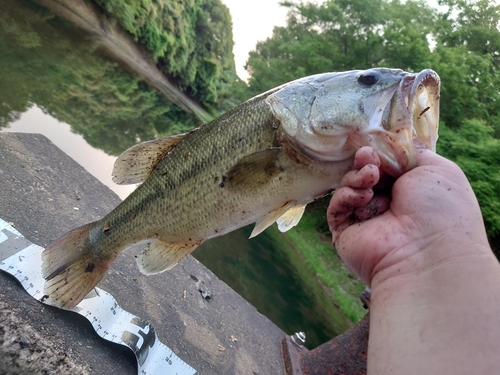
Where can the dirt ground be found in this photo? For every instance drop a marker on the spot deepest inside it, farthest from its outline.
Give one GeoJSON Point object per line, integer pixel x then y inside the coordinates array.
{"type": "Point", "coordinates": [25, 351]}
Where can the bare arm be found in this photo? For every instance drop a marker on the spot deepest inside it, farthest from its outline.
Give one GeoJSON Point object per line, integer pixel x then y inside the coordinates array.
{"type": "Point", "coordinates": [435, 282]}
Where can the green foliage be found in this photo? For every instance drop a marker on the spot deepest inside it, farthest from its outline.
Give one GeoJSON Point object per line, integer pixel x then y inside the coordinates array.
{"type": "Point", "coordinates": [405, 36]}
{"type": "Point", "coordinates": [474, 23]}
{"type": "Point", "coordinates": [232, 91]}
{"type": "Point", "coordinates": [474, 149]}
{"type": "Point", "coordinates": [191, 40]}
{"type": "Point", "coordinates": [341, 35]}
{"type": "Point", "coordinates": [460, 95]}
{"type": "Point", "coordinates": [468, 54]}
{"type": "Point", "coordinates": [318, 252]}
{"type": "Point", "coordinates": [57, 71]}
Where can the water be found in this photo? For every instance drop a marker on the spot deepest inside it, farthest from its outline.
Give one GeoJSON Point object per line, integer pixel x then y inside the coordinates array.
{"type": "Point", "coordinates": [56, 80]}
{"type": "Point", "coordinates": [264, 272]}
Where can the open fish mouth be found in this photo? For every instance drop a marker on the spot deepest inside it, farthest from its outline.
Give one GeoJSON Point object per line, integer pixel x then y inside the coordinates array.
{"type": "Point", "coordinates": [422, 92]}
{"type": "Point", "coordinates": [410, 121]}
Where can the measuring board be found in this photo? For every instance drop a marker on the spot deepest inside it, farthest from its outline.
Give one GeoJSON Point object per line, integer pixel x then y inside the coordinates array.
{"type": "Point", "coordinates": [23, 260]}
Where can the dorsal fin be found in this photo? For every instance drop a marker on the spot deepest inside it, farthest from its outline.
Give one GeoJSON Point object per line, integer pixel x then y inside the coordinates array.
{"type": "Point", "coordinates": [136, 163]}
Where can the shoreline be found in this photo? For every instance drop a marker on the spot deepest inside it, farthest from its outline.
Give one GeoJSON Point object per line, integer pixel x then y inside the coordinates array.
{"type": "Point", "coordinates": [123, 49]}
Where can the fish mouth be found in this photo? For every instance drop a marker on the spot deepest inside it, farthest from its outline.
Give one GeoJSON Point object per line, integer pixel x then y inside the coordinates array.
{"type": "Point", "coordinates": [410, 122]}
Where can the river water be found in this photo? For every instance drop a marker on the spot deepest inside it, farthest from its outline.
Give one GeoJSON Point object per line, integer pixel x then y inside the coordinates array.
{"type": "Point", "coordinates": [56, 80]}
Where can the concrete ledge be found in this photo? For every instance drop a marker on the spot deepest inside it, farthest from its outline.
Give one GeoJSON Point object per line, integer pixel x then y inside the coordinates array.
{"type": "Point", "coordinates": [44, 193]}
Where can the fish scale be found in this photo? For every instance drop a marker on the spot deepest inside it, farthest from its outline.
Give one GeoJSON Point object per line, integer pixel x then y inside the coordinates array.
{"type": "Point", "coordinates": [193, 181]}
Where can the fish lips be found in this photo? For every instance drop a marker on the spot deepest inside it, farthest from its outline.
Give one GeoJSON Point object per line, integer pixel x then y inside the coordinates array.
{"type": "Point", "coordinates": [410, 121]}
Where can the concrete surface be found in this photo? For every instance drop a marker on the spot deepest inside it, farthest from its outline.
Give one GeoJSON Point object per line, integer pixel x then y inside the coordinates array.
{"type": "Point", "coordinates": [44, 193]}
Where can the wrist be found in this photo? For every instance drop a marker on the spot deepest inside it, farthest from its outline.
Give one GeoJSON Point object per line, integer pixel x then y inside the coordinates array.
{"type": "Point", "coordinates": [430, 319]}
{"type": "Point", "coordinates": [452, 249]}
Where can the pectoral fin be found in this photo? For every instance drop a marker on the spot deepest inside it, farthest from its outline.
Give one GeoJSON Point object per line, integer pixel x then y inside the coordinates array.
{"type": "Point", "coordinates": [135, 164]}
{"type": "Point", "coordinates": [262, 224]}
{"type": "Point", "coordinates": [291, 218]}
{"type": "Point", "coordinates": [161, 256]}
{"type": "Point", "coordinates": [254, 170]}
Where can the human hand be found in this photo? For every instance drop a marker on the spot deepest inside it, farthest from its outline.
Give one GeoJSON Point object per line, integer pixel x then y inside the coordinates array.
{"type": "Point", "coordinates": [435, 281]}
{"type": "Point", "coordinates": [432, 211]}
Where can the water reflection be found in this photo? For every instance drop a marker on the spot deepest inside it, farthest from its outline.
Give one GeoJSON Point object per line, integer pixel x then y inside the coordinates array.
{"type": "Point", "coordinates": [49, 66]}
{"type": "Point", "coordinates": [47, 62]}
{"type": "Point", "coordinates": [95, 161]}
{"type": "Point", "coordinates": [261, 270]}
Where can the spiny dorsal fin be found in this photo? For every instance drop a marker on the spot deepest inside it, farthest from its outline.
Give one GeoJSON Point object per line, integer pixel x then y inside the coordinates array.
{"type": "Point", "coordinates": [136, 163]}
{"type": "Point", "coordinates": [255, 169]}
{"type": "Point", "coordinates": [270, 218]}
{"type": "Point", "coordinates": [291, 218]}
{"type": "Point", "coordinates": [161, 256]}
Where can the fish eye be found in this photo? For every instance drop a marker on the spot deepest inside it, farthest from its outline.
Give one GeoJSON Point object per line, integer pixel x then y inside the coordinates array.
{"type": "Point", "coordinates": [368, 79]}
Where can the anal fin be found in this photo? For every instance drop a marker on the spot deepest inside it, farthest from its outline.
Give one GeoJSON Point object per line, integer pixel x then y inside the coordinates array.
{"type": "Point", "coordinates": [290, 218]}
{"type": "Point", "coordinates": [161, 256]}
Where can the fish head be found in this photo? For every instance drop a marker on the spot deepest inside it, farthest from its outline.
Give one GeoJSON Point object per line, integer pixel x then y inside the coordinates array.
{"type": "Point", "coordinates": [329, 116]}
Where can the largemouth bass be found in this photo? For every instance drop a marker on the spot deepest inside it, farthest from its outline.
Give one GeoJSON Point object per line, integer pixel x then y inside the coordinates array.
{"type": "Point", "coordinates": [261, 162]}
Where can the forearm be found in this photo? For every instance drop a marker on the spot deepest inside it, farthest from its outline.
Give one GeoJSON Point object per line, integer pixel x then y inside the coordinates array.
{"type": "Point", "coordinates": [441, 318]}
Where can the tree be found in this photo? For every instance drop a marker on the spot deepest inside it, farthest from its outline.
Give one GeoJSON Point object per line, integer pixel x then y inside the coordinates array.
{"type": "Point", "coordinates": [477, 152]}
{"type": "Point", "coordinates": [469, 33]}
{"type": "Point", "coordinates": [191, 40]}
{"type": "Point", "coordinates": [342, 35]}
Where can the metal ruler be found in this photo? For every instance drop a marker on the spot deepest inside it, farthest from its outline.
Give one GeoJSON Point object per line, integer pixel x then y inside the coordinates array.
{"type": "Point", "coordinates": [23, 260]}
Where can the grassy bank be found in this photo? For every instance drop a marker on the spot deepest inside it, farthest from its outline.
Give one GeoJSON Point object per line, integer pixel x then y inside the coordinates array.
{"type": "Point", "coordinates": [314, 248]}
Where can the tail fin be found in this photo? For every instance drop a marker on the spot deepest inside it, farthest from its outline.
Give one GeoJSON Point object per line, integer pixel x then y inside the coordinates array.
{"type": "Point", "coordinates": [71, 268]}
